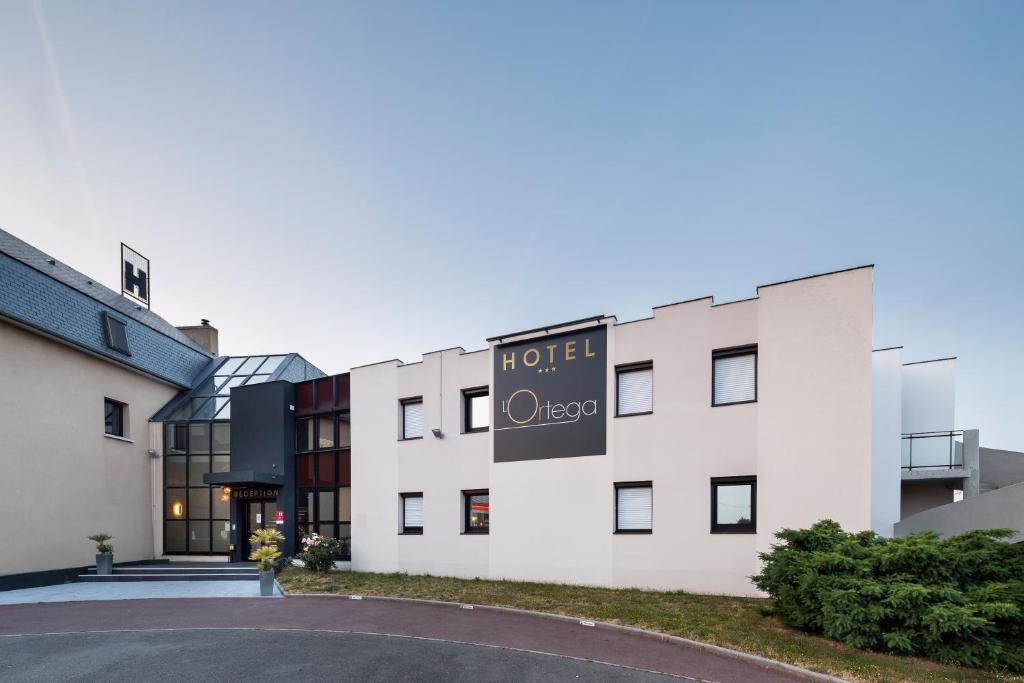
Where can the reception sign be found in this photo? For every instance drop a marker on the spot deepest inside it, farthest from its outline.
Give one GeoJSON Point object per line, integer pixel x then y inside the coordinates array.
{"type": "Point", "coordinates": [549, 396]}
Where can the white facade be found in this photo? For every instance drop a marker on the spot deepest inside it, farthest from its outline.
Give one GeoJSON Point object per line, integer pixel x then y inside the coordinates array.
{"type": "Point", "coordinates": [807, 439]}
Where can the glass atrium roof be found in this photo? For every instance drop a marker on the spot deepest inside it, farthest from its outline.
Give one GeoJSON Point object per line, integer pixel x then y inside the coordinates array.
{"type": "Point", "coordinates": [211, 398]}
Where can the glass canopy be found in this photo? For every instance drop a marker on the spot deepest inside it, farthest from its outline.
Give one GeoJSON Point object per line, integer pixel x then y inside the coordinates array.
{"type": "Point", "coordinates": [211, 398]}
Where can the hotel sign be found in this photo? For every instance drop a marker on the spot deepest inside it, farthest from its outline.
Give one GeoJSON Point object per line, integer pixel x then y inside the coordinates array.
{"type": "Point", "coordinates": [134, 275]}
{"type": "Point", "coordinates": [549, 396]}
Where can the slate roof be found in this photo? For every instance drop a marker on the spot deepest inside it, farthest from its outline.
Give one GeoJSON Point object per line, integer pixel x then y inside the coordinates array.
{"type": "Point", "coordinates": [40, 292]}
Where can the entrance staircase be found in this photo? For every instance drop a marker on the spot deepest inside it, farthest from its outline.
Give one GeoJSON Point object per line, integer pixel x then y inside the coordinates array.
{"type": "Point", "coordinates": [177, 571]}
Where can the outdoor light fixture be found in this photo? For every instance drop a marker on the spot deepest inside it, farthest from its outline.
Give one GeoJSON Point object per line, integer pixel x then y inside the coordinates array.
{"type": "Point", "coordinates": [178, 509]}
{"type": "Point", "coordinates": [437, 432]}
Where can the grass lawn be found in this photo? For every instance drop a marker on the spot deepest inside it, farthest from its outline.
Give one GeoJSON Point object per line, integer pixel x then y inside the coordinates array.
{"type": "Point", "coordinates": [738, 623]}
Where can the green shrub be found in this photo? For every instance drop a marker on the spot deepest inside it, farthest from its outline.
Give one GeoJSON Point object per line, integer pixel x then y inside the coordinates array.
{"type": "Point", "coordinates": [958, 600]}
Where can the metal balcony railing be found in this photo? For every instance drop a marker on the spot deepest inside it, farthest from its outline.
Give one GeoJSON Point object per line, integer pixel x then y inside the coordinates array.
{"type": "Point", "coordinates": [932, 451]}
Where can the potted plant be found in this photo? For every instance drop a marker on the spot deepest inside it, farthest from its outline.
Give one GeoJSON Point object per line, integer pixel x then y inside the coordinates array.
{"type": "Point", "coordinates": [104, 554]}
{"type": "Point", "coordinates": [264, 542]}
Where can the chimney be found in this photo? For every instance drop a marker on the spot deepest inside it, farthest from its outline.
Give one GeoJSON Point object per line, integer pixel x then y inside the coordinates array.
{"type": "Point", "coordinates": [203, 334]}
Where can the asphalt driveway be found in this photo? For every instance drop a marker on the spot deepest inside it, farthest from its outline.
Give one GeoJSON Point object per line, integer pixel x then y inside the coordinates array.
{"type": "Point", "coordinates": [335, 638]}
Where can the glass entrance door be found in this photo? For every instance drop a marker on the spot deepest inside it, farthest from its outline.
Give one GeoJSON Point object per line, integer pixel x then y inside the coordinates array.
{"type": "Point", "coordinates": [259, 514]}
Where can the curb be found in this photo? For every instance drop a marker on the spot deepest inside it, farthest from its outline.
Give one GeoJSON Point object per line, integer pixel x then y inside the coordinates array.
{"type": "Point", "coordinates": [758, 660]}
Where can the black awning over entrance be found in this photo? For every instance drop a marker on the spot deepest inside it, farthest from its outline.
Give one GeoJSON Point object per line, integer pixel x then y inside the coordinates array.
{"type": "Point", "coordinates": [242, 478]}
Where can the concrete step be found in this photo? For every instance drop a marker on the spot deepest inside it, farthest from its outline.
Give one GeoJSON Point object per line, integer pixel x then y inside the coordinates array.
{"type": "Point", "coordinates": [169, 576]}
{"type": "Point", "coordinates": [224, 569]}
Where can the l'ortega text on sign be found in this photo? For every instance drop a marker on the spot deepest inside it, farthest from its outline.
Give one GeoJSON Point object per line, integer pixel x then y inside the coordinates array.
{"type": "Point", "coordinates": [550, 396]}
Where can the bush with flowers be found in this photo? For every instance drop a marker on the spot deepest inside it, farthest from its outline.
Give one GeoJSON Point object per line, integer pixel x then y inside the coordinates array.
{"type": "Point", "coordinates": [319, 551]}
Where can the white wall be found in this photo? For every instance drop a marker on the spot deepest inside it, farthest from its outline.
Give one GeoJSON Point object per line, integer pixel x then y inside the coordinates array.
{"type": "Point", "coordinates": [929, 396]}
{"type": "Point", "coordinates": [807, 439]}
{"type": "Point", "coordinates": [886, 426]}
{"type": "Point", "coordinates": [384, 466]}
{"type": "Point", "coordinates": [65, 480]}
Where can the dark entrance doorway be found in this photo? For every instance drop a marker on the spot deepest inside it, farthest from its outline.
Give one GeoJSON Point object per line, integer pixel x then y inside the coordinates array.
{"type": "Point", "coordinates": [256, 514]}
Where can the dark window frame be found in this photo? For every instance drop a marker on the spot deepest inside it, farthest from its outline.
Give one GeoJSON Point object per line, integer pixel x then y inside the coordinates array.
{"type": "Point", "coordinates": [467, 409]}
{"type": "Point", "coordinates": [117, 409]}
{"type": "Point", "coordinates": [749, 528]}
{"type": "Point", "coordinates": [745, 350]}
{"type": "Point", "coordinates": [108, 333]}
{"type": "Point", "coordinates": [411, 530]}
{"type": "Point", "coordinates": [633, 485]}
{"type": "Point", "coordinates": [633, 367]}
{"type": "Point", "coordinates": [300, 428]}
{"type": "Point", "coordinates": [212, 522]}
{"type": "Point", "coordinates": [467, 497]}
{"type": "Point", "coordinates": [402, 403]}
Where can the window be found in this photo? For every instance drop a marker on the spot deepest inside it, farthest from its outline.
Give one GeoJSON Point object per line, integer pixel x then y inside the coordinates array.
{"type": "Point", "coordinates": [325, 432]}
{"type": "Point", "coordinates": [634, 507]}
{"type": "Point", "coordinates": [476, 410]}
{"type": "Point", "coordinates": [303, 435]}
{"type": "Point", "coordinates": [477, 511]}
{"type": "Point", "coordinates": [734, 376]}
{"type": "Point", "coordinates": [412, 418]}
{"type": "Point", "coordinates": [196, 514]}
{"type": "Point", "coordinates": [734, 505]}
{"type": "Point", "coordinates": [115, 332]}
{"type": "Point", "coordinates": [412, 513]}
{"type": "Point", "coordinates": [113, 417]}
{"type": "Point", "coordinates": [635, 389]}
{"type": "Point", "coordinates": [344, 433]}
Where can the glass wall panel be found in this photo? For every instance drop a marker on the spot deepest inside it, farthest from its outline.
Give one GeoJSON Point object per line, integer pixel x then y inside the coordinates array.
{"type": "Point", "coordinates": [174, 470]}
{"type": "Point", "coordinates": [304, 397]}
{"type": "Point", "coordinates": [344, 434]}
{"type": "Point", "coordinates": [174, 504]}
{"type": "Point", "coordinates": [198, 465]}
{"type": "Point", "coordinates": [175, 438]}
{"type": "Point", "coordinates": [205, 408]}
{"type": "Point", "coordinates": [271, 364]}
{"type": "Point", "coordinates": [304, 470]}
{"type": "Point", "coordinates": [344, 468]}
{"type": "Point", "coordinates": [221, 503]}
{"type": "Point", "coordinates": [304, 435]}
{"type": "Point", "coordinates": [199, 437]}
{"type": "Point", "coordinates": [345, 504]}
{"type": "Point", "coordinates": [325, 393]}
{"type": "Point", "coordinates": [221, 437]}
{"type": "Point", "coordinates": [221, 536]}
{"type": "Point", "coordinates": [327, 510]}
{"type": "Point", "coordinates": [199, 537]}
{"type": "Point", "coordinates": [226, 387]}
{"type": "Point", "coordinates": [250, 365]}
{"type": "Point", "coordinates": [344, 531]}
{"type": "Point", "coordinates": [326, 530]}
{"type": "Point", "coordinates": [199, 503]}
{"type": "Point", "coordinates": [174, 537]}
{"type": "Point", "coordinates": [325, 469]}
{"type": "Point", "coordinates": [230, 365]}
{"type": "Point", "coordinates": [325, 432]}
{"type": "Point", "coordinates": [221, 463]}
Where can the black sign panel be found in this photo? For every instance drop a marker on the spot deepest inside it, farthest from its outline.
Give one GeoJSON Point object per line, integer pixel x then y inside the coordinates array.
{"type": "Point", "coordinates": [549, 396]}
{"type": "Point", "coordinates": [134, 274]}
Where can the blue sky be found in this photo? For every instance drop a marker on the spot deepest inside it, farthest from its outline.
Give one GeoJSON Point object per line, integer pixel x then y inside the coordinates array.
{"type": "Point", "coordinates": [362, 181]}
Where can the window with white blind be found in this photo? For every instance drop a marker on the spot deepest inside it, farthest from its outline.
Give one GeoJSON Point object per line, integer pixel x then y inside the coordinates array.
{"type": "Point", "coordinates": [635, 391]}
{"type": "Point", "coordinates": [412, 418]}
{"type": "Point", "coordinates": [412, 513]}
{"type": "Point", "coordinates": [734, 376]}
{"type": "Point", "coordinates": [634, 507]}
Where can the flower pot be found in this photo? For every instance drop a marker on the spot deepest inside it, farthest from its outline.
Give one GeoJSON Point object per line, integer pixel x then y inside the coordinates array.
{"type": "Point", "coordinates": [105, 564]}
{"type": "Point", "coordinates": [267, 583]}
